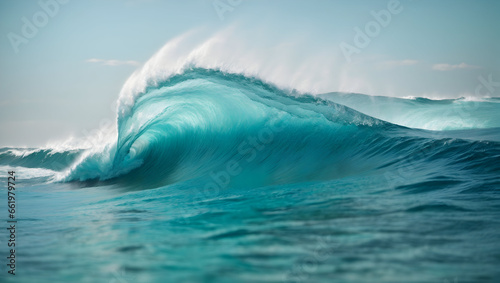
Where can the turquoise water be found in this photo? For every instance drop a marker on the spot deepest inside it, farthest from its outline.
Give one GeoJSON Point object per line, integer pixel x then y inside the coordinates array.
{"type": "Point", "coordinates": [217, 177]}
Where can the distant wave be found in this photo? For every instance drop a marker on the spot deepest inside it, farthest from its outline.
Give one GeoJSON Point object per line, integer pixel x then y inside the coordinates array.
{"type": "Point", "coordinates": [47, 158]}
{"type": "Point", "coordinates": [423, 113]}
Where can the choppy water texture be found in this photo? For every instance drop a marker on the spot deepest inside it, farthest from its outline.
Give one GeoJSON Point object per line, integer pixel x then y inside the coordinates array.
{"type": "Point", "coordinates": [218, 177]}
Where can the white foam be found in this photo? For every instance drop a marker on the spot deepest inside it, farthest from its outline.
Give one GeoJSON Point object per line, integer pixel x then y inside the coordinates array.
{"type": "Point", "coordinates": [28, 173]}
{"type": "Point", "coordinates": [280, 63]}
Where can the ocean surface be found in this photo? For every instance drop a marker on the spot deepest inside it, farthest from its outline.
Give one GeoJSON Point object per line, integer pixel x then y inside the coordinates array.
{"type": "Point", "coordinates": [220, 177]}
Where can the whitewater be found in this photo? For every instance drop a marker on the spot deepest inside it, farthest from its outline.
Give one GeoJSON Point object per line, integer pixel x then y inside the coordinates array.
{"type": "Point", "coordinates": [220, 170]}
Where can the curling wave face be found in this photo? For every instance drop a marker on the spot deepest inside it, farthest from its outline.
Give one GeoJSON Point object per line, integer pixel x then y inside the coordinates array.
{"type": "Point", "coordinates": [198, 122]}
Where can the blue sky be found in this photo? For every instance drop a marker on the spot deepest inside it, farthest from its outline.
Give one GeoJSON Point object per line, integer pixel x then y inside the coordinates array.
{"type": "Point", "coordinates": [65, 79]}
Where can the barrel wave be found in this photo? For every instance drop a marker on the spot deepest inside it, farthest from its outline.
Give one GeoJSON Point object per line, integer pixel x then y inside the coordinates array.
{"type": "Point", "coordinates": [195, 123]}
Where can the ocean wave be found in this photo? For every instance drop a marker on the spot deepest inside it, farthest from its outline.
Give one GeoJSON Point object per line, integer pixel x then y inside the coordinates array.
{"type": "Point", "coordinates": [195, 123]}
{"type": "Point", "coordinates": [233, 130]}
{"type": "Point", "coordinates": [47, 158]}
